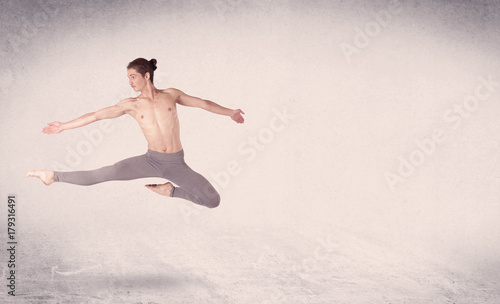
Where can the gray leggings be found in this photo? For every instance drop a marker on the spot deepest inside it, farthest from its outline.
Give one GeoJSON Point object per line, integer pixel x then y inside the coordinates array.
{"type": "Point", "coordinates": [192, 186]}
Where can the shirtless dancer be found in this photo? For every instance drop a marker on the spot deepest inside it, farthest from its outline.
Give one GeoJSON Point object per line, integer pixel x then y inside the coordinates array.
{"type": "Point", "coordinates": [155, 111]}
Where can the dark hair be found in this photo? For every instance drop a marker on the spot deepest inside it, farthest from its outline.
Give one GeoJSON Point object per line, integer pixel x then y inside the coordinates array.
{"type": "Point", "coordinates": [143, 66]}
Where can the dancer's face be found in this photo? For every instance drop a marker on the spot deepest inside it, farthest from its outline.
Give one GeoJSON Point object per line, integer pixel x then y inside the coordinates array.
{"type": "Point", "coordinates": [135, 79]}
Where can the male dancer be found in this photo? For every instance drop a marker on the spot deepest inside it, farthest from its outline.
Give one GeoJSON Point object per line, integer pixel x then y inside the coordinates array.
{"type": "Point", "coordinates": [155, 111]}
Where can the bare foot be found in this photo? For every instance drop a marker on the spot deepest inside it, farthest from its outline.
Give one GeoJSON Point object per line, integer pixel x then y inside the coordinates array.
{"type": "Point", "coordinates": [47, 177]}
{"type": "Point", "coordinates": [164, 189]}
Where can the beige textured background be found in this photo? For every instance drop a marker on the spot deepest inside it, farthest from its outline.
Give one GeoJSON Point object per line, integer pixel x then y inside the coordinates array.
{"type": "Point", "coordinates": [320, 176]}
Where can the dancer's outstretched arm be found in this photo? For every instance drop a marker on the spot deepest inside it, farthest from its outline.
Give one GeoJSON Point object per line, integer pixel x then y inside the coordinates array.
{"type": "Point", "coordinates": [191, 101]}
{"type": "Point", "coordinates": [109, 112]}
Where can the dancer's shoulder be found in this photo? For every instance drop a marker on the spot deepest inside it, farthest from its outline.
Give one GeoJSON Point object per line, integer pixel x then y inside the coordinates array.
{"type": "Point", "coordinates": [172, 91]}
{"type": "Point", "coordinates": [127, 101]}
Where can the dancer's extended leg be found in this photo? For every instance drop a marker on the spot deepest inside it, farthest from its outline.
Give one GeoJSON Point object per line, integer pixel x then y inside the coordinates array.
{"type": "Point", "coordinates": [127, 169]}
{"type": "Point", "coordinates": [192, 186]}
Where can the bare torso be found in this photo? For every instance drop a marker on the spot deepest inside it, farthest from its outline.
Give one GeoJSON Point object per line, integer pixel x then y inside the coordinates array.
{"type": "Point", "coordinates": [158, 120]}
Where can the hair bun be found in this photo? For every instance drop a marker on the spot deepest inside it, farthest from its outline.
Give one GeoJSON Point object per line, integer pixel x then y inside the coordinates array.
{"type": "Point", "coordinates": [153, 63]}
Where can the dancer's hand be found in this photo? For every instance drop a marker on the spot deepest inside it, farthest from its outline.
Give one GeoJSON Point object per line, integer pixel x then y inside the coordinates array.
{"type": "Point", "coordinates": [236, 116]}
{"type": "Point", "coordinates": [53, 128]}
